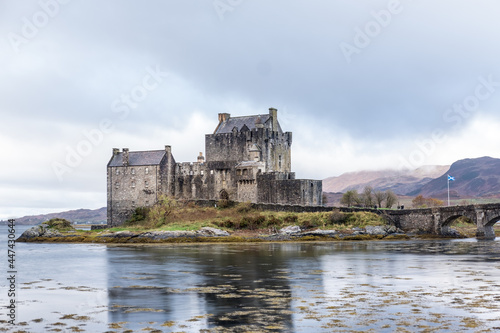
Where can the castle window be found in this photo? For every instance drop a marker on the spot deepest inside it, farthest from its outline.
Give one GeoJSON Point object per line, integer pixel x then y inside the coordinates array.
{"type": "Point", "coordinates": [238, 172]}
{"type": "Point", "coordinates": [146, 183]}
{"type": "Point", "coordinates": [133, 184]}
{"type": "Point", "coordinates": [117, 185]}
{"type": "Point", "coordinates": [117, 171]}
{"type": "Point", "coordinates": [132, 171]}
{"type": "Point", "coordinates": [201, 172]}
{"type": "Point", "coordinates": [211, 172]}
{"type": "Point", "coordinates": [279, 161]}
{"type": "Point", "coordinates": [245, 172]}
{"type": "Point", "coordinates": [147, 171]}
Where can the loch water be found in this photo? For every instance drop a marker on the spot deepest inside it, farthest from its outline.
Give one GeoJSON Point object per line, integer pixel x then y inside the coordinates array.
{"type": "Point", "coordinates": [377, 286]}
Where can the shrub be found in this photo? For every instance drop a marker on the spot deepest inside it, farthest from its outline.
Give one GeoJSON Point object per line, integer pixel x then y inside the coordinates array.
{"type": "Point", "coordinates": [306, 224]}
{"type": "Point", "coordinates": [337, 217]}
{"type": "Point", "coordinates": [162, 211]}
{"type": "Point", "coordinates": [139, 215]}
{"type": "Point", "coordinates": [316, 221]}
{"type": "Point", "coordinates": [290, 219]}
{"type": "Point", "coordinates": [252, 222]}
{"type": "Point", "coordinates": [59, 223]}
{"type": "Point", "coordinates": [273, 221]}
{"type": "Point", "coordinates": [363, 219]}
{"type": "Point", "coordinates": [229, 224]}
{"type": "Point", "coordinates": [244, 207]}
{"type": "Point", "coordinates": [223, 203]}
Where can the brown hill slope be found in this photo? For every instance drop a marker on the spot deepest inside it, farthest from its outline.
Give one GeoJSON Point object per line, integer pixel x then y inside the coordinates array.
{"type": "Point", "coordinates": [94, 216]}
{"type": "Point", "coordinates": [474, 177]}
{"type": "Point", "coordinates": [399, 181]}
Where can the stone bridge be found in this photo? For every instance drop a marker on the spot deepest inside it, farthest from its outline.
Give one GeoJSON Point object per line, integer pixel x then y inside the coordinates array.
{"type": "Point", "coordinates": [438, 220]}
{"type": "Point", "coordinates": [428, 220]}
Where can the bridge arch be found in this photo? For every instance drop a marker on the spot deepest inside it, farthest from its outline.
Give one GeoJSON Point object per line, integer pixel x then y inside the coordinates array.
{"type": "Point", "coordinates": [490, 224]}
{"type": "Point", "coordinates": [491, 217]}
{"type": "Point", "coordinates": [448, 218]}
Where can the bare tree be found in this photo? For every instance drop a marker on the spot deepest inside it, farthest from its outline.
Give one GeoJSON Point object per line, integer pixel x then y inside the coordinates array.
{"type": "Point", "coordinates": [380, 197]}
{"type": "Point", "coordinates": [390, 199]}
{"type": "Point", "coordinates": [367, 196]}
{"type": "Point", "coordinates": [349, 198]}
{"type": "Point", "coordinates": [324, 198]}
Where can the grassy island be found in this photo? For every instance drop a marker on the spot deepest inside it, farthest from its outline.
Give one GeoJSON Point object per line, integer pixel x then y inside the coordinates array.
{"type": "Point", "coordinates": [172, 221]}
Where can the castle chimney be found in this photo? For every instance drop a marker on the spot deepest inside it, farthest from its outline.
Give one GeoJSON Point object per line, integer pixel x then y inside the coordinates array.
{"type": "Point", "coordinates": [115, 151]}
{"type": "Point", "coordinates": [274, 115]}
{"type": "Point", "coordinates": [201, 159]}
{"type": "Point", "coordinates": [125, 156]}
{"type": "Point", "coordinates": [168, 149]}
{"type": "Point", "coordinates": [223, 117]}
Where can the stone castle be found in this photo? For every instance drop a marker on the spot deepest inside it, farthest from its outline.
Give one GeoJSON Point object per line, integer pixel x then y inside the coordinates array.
{"type": "Point", "coordinates": [247, 159]}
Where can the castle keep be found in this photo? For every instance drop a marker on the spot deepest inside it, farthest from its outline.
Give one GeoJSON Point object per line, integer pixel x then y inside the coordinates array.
{"type": "Point", "coordinates": [247, 159]}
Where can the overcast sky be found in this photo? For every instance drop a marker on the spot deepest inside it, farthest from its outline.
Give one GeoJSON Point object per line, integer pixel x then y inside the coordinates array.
{"type": "Point", "coordinates": [361, 84]}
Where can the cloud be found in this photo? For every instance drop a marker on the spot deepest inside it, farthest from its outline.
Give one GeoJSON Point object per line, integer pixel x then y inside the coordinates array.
{"type": "Point", "coordinates": [64, 77]}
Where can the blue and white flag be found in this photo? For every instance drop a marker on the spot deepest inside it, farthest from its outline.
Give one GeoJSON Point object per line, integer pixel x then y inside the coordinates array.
{"type": "Point", "coordinates": [450, 178]}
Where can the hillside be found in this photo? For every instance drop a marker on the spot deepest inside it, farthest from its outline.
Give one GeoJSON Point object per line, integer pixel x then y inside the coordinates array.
{"type": "Point", "coordinates": [399, 181]}
{"type": "Point", "coordinates": [474, 177]}
{"type": "Point", "coordinates": [94, 216]}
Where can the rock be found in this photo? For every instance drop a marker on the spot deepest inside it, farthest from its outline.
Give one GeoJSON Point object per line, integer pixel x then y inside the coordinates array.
{"type": "Point", "coordinates": [32, 232]}
{"type": "Point", "coordinates": [453, 233]}
{"type": "Point", "coordinates": [320, 232]}
{"type": "Point", "coordinates": [39, 231]}
{"type": "Point", "coordinates": [375, 230]}
{"type": "Point", "coordinates": [120, 234]}
{"type": "Point", "coordinates": [393, 230]}
{"type": "Point", "coordinates": [208, 231]}
{"type": "Point", "coordinates": [157, 235]}
{"type": "Point", "coordinates": [293, 229]}
{"type": "Point", "coordinates": [390, 229]}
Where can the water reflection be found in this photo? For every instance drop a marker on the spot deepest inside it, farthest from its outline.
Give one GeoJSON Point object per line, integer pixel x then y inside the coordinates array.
{"type": "Point", "coordinates": [303, 287]}
{"type": "Point", "coordinates": [217, 286]}
{"type": "Point", "coordinates": [291, 287]}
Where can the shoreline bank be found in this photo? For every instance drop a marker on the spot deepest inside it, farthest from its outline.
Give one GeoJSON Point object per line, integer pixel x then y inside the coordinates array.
{"type": "Point", "coordinates": [39, 234]}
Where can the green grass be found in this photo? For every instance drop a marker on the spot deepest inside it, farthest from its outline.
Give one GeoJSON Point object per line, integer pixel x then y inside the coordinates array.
{"type": "Point", "coordinates": [175, 216]}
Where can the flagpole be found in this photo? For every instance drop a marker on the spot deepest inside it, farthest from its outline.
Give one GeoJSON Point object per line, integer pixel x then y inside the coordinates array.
{"type": "Point", "coordinates": [448, 190]}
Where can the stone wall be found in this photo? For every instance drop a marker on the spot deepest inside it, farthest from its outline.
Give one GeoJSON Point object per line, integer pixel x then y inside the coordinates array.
{"type": "Point", "coordinates": [282, 188]}
{"type": "Point", "coordinates": [130, 187]}
{"type": "Point", "coordinates": [234, 147]}
{"type": "Point", "coordinates": [418, 220]}
{"type": "Point", "coordinates": [289, 208]}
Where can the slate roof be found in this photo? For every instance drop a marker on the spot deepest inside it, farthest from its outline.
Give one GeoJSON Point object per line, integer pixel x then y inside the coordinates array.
{"type": "Point", "coordinates": [228, 125]}
{"type": "Point", "coordinates": [137, 158]}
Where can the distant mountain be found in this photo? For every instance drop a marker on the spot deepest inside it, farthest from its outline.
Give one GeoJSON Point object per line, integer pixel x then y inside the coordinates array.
{"type": "Point", "coordinates": [95, 216]}
{"type": "Point", "coordinates": [474, 177]}
{"type": "Point", "coordinates": [399, 181]}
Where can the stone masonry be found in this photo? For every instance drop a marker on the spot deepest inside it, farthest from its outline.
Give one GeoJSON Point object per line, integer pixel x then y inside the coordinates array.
{"type": "Point", "coordinates": [247, 159]}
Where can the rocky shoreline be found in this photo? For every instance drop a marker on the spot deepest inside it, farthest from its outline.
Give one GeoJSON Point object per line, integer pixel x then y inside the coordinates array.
{"type": "Point", "coordinates": [42, 233]}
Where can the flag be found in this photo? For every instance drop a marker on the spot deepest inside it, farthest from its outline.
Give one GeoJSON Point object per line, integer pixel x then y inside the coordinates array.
{"type": "Point", "coordinates": [450, 178]}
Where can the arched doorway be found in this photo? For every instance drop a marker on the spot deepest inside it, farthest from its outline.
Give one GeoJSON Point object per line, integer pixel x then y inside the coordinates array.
{"type": "Point", "coordinates": [223, 195]}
